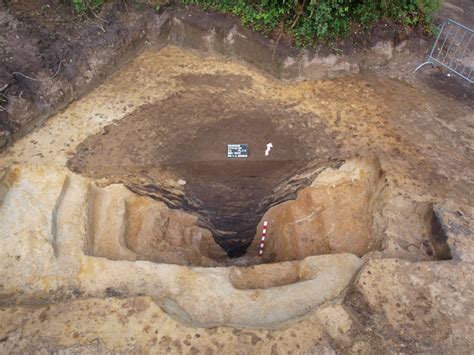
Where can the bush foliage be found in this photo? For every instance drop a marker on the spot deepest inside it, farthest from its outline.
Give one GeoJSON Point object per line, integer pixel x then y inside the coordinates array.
{"type": "Point", "coordinates": [84, 5]}
{"type": "Point", "coordinates": [310, 20]}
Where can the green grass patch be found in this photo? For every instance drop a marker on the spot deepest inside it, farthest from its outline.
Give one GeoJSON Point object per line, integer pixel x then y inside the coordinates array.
{"type": "Point", "coordinates": [85, 5]}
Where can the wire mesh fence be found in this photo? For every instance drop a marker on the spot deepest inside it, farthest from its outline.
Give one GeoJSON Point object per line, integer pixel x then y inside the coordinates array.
{"type": "Point", "coordinates": [453, 50]}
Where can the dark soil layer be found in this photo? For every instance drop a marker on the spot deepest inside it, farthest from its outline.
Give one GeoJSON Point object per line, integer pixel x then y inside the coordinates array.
{"type": "Point", "coordinates": [185, 137]}
{"type": "Point", "coordinates": [50, 56]}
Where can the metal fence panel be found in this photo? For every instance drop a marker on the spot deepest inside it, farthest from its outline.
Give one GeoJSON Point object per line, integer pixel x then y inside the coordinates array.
{"type": "Point", "coordinates": [454, 50]}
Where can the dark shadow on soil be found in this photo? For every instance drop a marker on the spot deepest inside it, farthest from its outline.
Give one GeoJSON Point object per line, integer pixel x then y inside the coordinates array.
{"type": "Point", "coordinates": [451, 86]}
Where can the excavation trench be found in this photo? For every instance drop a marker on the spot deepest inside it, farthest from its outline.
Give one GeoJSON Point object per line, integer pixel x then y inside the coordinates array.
{"type": "Point", "coordinates": [161, 187]}
{"type": "Point", "coordinates": [231, 198]}
{"type": "Point", "coordinates": [175, 151]}
{"type": "Point", "coordinates": [149, 180]}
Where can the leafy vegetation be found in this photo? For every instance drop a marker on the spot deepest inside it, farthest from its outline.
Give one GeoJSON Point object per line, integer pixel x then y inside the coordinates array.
{"type": "Point", "coordinates": [84, 5]}
{"type": "Point", "coordinates": [310, 20]}
{"type": "Point", "coordinates": [307, 21]}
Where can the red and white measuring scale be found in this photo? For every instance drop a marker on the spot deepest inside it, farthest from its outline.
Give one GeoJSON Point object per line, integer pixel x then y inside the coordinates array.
{"type": "Point", "coordinates": [261, 247]}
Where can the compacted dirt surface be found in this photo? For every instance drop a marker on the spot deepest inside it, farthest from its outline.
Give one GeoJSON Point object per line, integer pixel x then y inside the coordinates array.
{"type": "Point", "coordinates": [125, 228]}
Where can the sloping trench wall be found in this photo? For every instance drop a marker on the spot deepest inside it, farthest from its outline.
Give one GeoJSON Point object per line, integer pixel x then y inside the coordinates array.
{"type": "Point", "coordinates": [56, 246]}
{"type": "Point", "coordinates": [80, 64]}
{"type": "Point", "coordinates": [42, 260]}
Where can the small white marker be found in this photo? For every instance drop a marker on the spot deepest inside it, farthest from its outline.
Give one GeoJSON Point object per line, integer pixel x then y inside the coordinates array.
{"type": "Point", "coordinates": [269, 146]}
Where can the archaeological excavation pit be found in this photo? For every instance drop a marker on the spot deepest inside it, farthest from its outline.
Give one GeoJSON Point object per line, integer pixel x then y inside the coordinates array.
{"type": "Point", "coordinates": [164, 190]}
{"type": "Point", "coordinates": [175, 151]}
{"type": "Point", "coordinates": [125, 227]}
{"type": "Point", "coordinates": [188, 203]}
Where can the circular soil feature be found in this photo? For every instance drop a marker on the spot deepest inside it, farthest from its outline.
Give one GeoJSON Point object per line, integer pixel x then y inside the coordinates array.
{"type": "Point", "coordinates": [175, 150]}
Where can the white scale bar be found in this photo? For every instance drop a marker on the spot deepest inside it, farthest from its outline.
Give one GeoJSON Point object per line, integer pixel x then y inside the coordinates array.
{"type": "Point", "coordinates": [264, 232]}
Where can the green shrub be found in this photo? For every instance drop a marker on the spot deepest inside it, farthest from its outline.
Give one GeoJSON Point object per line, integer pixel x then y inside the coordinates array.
{"type": "Point", "coordinates": [310, 20]}
{"type": "Point", "coordinates": [84, 5]}
{"type": "Point", "coordinates": [407, 12]}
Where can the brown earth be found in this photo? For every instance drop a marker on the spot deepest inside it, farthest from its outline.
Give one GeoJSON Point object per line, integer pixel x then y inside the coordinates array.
{"type": "Point", "coordinates": [50, 56]}
{"type": "Point", "coordinates": [174, 122]}
{"type": "Point", "coordinates": [87, 265]}
{"type": "Point", "coordinates": [185, 137]}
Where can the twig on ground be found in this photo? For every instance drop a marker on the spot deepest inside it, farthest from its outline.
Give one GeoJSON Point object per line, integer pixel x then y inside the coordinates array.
{"type": "Point", "coordinates": [25, 76]}
{"type": "Point", "coordinates": [100, 18]}
{"type": "Point", "coordinates": [57, 71]}
{"type": "Point", "coordinates": [54, 20]}
{"type": "Point", "coordinates": [3, 101]}
{"type": "Point", "coordinates": [125, 5]}
{"type": "Point", "coordinates": [72, 20]}
{"type": "Point", "coordinates": [4, 87]}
